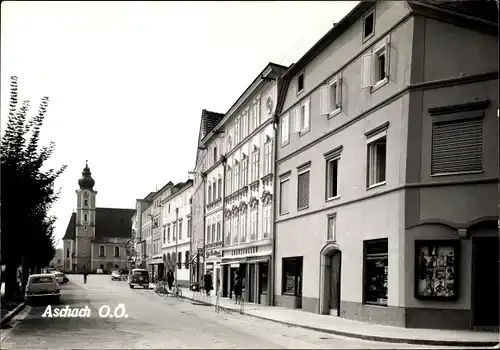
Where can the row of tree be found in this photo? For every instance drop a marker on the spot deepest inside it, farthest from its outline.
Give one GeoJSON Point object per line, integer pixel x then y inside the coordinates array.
{"type": "Point", "coordinates": [27, 193]}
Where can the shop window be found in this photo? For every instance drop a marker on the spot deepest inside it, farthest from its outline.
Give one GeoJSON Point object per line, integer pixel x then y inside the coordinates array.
{"type": "Point", "coordinates": [292, 276]}
{"type": "Point", "coordinates": [376, 271]}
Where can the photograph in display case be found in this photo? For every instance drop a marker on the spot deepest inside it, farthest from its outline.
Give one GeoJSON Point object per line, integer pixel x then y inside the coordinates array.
{"type": "Point", "coordinates": [436, 264]}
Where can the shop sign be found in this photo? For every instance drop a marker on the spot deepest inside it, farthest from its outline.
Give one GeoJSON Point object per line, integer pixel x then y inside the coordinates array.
{"type": "Point", "coordinates": [215, 253]}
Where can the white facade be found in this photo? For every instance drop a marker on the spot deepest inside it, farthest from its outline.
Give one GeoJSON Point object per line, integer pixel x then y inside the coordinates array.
{"type": "Point", "coordinates": [176, 227]}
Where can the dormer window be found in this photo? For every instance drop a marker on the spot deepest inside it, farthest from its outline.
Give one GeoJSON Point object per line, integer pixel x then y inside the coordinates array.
{"type": "Point", "coordinates": [300, 83]}
{"type": "Point", "coordinates": [368, 26]}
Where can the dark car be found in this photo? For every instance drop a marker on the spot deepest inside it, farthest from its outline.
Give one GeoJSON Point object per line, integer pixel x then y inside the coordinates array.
{"type": "Point", "coordinates": [139, 277]}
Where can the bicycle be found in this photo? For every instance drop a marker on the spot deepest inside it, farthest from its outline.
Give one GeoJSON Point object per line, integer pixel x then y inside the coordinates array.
{"type": "Point", "coordinates": [161, 289]}
{"type": "Point", "coordinates": [176, 291]}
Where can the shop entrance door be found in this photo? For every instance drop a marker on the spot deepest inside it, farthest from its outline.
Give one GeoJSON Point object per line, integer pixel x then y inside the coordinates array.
{"type": "Point", "coordinates": [485, 283]}
{"type": "Point", "coordinates": [251, 283]}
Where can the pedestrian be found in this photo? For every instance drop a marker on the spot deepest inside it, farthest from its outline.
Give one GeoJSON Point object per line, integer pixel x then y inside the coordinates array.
{"type": "Point", "coordinates": [238, 287]}
{"type": "Point", "coordinates": [84, 274]}
{"type": "Point", "coordinates": [170, 279]}
{"type": "Point", "coordinates": [207, 279]}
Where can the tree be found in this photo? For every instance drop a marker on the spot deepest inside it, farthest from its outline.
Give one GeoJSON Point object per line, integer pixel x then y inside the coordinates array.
{"type": "Point", "coordinates": [27, 191]}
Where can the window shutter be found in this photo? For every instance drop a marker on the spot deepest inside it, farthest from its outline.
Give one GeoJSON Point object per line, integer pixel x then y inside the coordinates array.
{"type": "Point", "coordinates": [339, 92]}
{"type": "Point", "coordinates": [387, 56]}
{"type": "Point", "coordinates": [307, 115]}
{"type": "Point", "coordinates": [366, 71]}
{"type": "Point", "coordinates": [457, 146]}
{"type": "Point", "coordinates": [324, 98]}
{"type": "Point", "coordinates": [303, 190]}
{"type": "Point", "coordinates": [293, 121]}
{"type": "Point", "coordinates": [284, 131]}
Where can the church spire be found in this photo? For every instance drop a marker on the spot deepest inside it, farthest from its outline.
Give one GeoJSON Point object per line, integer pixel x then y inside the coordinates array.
{"type": "Point", "coordinates": [86, 182]}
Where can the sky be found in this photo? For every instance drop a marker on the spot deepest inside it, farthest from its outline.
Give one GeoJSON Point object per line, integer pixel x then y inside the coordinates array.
{"type": "Point", "coordinates": [127, 81]}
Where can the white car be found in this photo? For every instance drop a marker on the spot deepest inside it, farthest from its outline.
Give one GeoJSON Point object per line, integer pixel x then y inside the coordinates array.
{"type": "Point", "coordinates": [42, 286]}
{"type": "Point", "coordinates": [115, 275]}
{"type": "Point", "coordinates": [99, 271]}
{"type": "Point", "coordinates": [60, 277]}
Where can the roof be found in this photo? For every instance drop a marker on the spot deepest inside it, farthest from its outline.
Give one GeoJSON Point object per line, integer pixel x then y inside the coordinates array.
{"type": "Point", "coordinates": [71, 229]}
{"type": "Point", "coordinates": [110, 222]}
{"type": "Point", "coordinates": [150, 196]}
{"type": "Point", "coordinates": [113, 222]}
{"type": "Point", "coordinates": [209, 120]}
{"type": "Point", "coordinates": [484, 10]}
{"type": "Point", "coordinates": [160, 191]}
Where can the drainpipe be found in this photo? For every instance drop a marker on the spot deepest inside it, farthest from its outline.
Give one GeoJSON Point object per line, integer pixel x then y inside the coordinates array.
{"type": "Point", "coordinates": [204, 223]}
{"type": "Point", "coordinates": [275, 191]}
{"type": "Point", "coordinates": [223, 228]}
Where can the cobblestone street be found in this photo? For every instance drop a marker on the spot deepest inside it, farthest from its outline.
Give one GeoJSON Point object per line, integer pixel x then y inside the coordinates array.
{"type": "Point", "coordinates": [157, 322]}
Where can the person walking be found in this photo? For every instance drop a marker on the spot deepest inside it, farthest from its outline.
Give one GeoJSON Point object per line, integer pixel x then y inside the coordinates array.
{"type": "Point", "coordinates": [170, 279]}
{"type": "Point", "coordinates": [84, 274]}
{"type": "Point", "coordinates": [238, 288]}
{"type": "Point", "coordinates": [207, 279]}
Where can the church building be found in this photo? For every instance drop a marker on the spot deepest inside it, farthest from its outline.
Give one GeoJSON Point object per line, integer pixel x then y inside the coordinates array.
{"type": "Point", "coordinates": [96, 238]}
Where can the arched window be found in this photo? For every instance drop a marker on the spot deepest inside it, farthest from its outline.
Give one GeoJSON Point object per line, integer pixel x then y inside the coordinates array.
{"type": "Point", "coordinates": [86, 202]}
{"type": "Point", "coordinates": [85, 217]}
{"type": "Point", "coordinates": [102, 250]}
{"type": "Point", "coordinates": [67, 252]}
{"type": "Point", "coordinates": [117, 252]}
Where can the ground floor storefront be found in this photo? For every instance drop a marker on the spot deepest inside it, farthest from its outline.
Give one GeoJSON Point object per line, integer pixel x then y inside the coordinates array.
{"type": "Point", "coordinates": [212, 262]}
{"type": "Point", "coordinates": [254, 265]}
{"type": "Point", "coordinates": [178, 261]}
{"type": "Point", "coordinates": [432, 275]}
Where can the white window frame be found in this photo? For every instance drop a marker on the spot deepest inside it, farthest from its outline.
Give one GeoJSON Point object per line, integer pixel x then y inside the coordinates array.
{"type": "Point", "coordinates": [236, 229]}
{"type": "Point", "coordinates": [326, 102]}
{"type": "Point", "coordinates": [209, 194]}
{"type": "Point", "coordinates": [244, 125]}
{"type": "Point", "coordinates": [371, 159]}
{"type": "Point", "coordinates": [335, 158]}
{"type": "Point", "coordinates": [266, 221]}
{"type": "Point", "coordinates": [228, 240]}
{"type": "Point", "coordinates": [103, 250]}
{"type": "Point", "coordinates": [209, 233]}
{"type": "Point", "coordinates": [369, 36]}
{"type": "Point", "coordinates": [255, 164]}
{"type": "Point", "coordinates": [237, 131]}
{"type": "Point", "coordinates": [229, 181]}
{"type": "Point", "coordinates": [268, 157]}
{"type": "Point", "coordinates": [332, 217]}
{"type": "Point", "coordinates": [243, 228]}
{"type": "Point", "coordinates": [254, 224]}
{"type": "Point", "coordinates": [236, 176]}
{"type": "Point", "coordinates": [304, 119]}
{"type": "Point", "coordinates": [219, 232]}
{"type": "Point", "coordinates": [244, 171]}
{"type": "Point", "coordinates": [285, 129]}
{"type": "Point", "coordinates": [114, 252]}
{"type": "Point", "coordinates": [283, 180]}
{"type": "Point", "coordinates": [369, 62]}
{"type": "Point", "coordinates": [300, 172]}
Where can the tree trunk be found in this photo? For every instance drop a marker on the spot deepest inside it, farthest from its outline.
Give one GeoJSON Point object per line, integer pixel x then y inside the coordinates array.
{"type": "Point", "coordinates": [11, 284]}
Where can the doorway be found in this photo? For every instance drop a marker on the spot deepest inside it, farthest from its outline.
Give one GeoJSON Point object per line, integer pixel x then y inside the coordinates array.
{"type": "Point", "coordinates": [485, 283]}
{"type": "Point", "coordinates": [330, 282]}
{"type": "Point", "coordinates": [251, 283]}
{"type": "Point", "coordinates": [334, 285]}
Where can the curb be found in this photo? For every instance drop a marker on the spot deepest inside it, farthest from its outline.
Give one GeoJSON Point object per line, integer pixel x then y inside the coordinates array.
{"type": "Point", "coordinates": [479, 343]}
{"type": "Point", "coordinates": [13, 313]}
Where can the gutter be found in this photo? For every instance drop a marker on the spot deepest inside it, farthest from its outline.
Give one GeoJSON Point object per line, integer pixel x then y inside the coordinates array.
{"type": "Point", "coordinates": [204, 176]}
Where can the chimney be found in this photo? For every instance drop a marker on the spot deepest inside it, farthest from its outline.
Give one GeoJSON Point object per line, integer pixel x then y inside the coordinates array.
{"type": "Point", "coordinates": [334, 24]}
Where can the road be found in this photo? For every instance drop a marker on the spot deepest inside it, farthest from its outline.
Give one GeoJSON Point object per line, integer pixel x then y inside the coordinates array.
{"type": "Point", "coordinates": [158, 322]}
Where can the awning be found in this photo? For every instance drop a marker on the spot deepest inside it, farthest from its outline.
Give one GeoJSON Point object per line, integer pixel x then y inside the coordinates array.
{"type": "Point", "coordinates": [234, 262]}
{"type": "Point", "coordinates": [248, 260]}
{"type": "Point", "coordinates": [156, 262]}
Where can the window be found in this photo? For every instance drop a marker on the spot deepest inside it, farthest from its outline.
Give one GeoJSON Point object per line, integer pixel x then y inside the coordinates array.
{"type": "Point", "coordinates": [285, 129]}
{"type": "Point", "coordinates": [292, 276]}
{"type": "Point", "coordinates": [254, 214]}
{"type": "Point", "coordinates": [331, 226]}
{"type": "Point", "coordinates": [237, 131]}
{"type": "Point", "coordinates": [214, 190]}
{"type": "Point", "coordinates": [67, 252]}
{"type": "Point", "coordinates": [266, 221]}
{"type": "Point", "coordinates": [86, 203]}
{"type": "Point", "coordinates": [253, 121]}
{"type": "Point", "coordinates": [84, 217]}
{"type": "Point", "coordinates": [236, 177]}
{"type": "Point", "coordinates": [244, 125]}
{"type": "Point", "coordinates": [268, 157]}
{"type": "Point", "coordinates": [102, 251]}
{"type": "Point", "coordinates": [256, 107]}
{"type": "Point", "coordinates": [244, 171]}
{"type": "Point", "coordinates": [164, 235]}
{"type": "Point", "coordinates": [303, 115]}
{"type": "Point", "coordinates": [300, 83]}
{"type": "Point", "coordinates": [255, 165]}
{"type": "Point", "coordinates": [235, 229]}
{"type": "Point", "coordinates": [179, 259]}
{"type": "Point", "coordinates": [186, 258]}
{"type": "Point", "coordinates": [303, 190]}
{"type": "Point", "coordinates": [229, 141]}
{"type": "Point", "coordinates": [209, 236]}
{"type": "Point", "coordinates": [457, 146]}
{"type": "Point", "coordinates": [284, 196]}
{"type": "Point", "coordinates": [213, 233]}
{"type": "Point", "coordinates": [368, 28]}
{"type": "Point", "coordinates": [168, 233]}
{"type": "Point", "coordinates": [219, 237]}
{"type": "Point", "coordinates": [332, 171]}
{"type": "Point", "coordinates": [180, 230]}
{"type": "Point", "coordinates": [243, 228]}
{"type": "Point", "coordinates": [228, 181]}
{"type": "Point", "coordinates": [189, 228]}
{"type": "Point", "coordinates": [228, 232]}
{"type": "Point", "coordinates": [219, 188]}
{"type": "Point", "coordinates": [375, 66]}
{"type": "Point", "coordinates": [215, 154]}
{"type": "Point", "coordinates": [331, 97]}
{"type": "Point", "coordinates": [376, 268]}
{"type": "Point", "coordinates": [117, 252]}
{"type": "Point", "coordinates": [209, 194]}
{"type": "Point", "coordinates": [174, 231]}
{"type": "Point", "coordinates": [377, 161]}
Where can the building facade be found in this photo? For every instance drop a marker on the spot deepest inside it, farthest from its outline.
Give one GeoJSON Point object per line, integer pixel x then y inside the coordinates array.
{"type": "Point", "coordinates": [386, 156]}
{"type": "Point", "coordinates": [239, 180]}
{"type": "Point", "coordinates": [96, 238]}
{"type": "Point", "coordinates": [198, 206]}
{"type": "Point", "coordinates": [176, 231]}
{"type": "Point", "coordinates": [141, 205]}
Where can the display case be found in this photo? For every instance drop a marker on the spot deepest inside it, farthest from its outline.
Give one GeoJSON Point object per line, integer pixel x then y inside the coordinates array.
{"type": "Point", "coordinates": [436, 269]}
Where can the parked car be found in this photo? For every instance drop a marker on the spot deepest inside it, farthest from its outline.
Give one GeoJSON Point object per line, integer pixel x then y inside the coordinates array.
{"type": "Point", "coordinates": [115, 275]}
{"type": "Point", "coordinates": [42, 286]}
{"type": "Point", "coordinates": [99, 271]}
{"type": "Point", "coordinates": [60, 277]}
{"type": "Point", "coordinates": [139, 277]}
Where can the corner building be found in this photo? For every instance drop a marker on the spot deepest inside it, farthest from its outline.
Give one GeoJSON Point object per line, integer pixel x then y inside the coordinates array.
{"type": "Point", "coordinates": [387, 169]}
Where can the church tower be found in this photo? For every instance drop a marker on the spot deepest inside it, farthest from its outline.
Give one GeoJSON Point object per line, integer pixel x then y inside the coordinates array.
{"type": "Point", "coordinates": [85, 219]}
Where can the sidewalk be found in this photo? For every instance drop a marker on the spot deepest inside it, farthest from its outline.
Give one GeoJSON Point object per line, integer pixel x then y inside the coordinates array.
{"type": "Point", "coordinates": [355, 329]}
